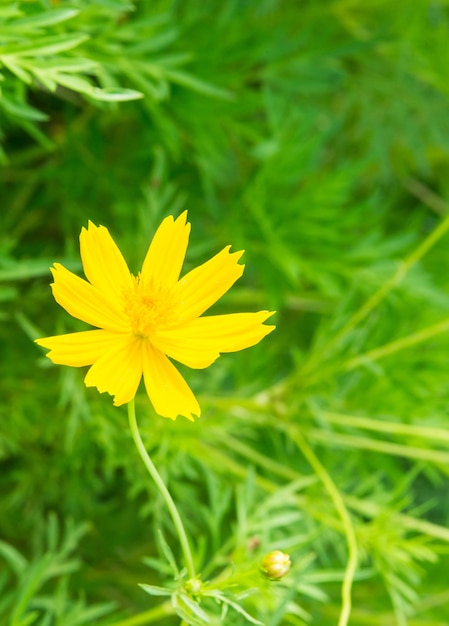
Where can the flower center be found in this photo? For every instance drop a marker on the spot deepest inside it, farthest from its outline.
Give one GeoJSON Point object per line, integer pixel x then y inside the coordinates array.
{"type": "Point", "coordinates": [148, 307]}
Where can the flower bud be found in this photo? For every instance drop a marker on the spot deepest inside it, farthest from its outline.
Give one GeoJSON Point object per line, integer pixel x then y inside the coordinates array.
{"type": "Point", "coordinates": [193, 586]}
{"type": "Point", "coordinates": [275, 564]}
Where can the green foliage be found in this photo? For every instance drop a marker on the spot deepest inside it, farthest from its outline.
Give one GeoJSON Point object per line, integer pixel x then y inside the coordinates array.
{"type": "Point", "coordinates": [37, 592]}
{"type": "Point", "coordinates": [315, 137]}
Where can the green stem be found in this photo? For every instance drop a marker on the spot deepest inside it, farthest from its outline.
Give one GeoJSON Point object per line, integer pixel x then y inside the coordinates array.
{"type": "Point", "coordinates": [403, 268]}
{"type": "Point", "coordinates": [394, 280]}
{"type": "Point", "coordinates": [162, 489]}
{"type": "Point", "coordinates": [397, 345]}
{"type": "Point", "coordinates": [348, 528]}
{"type": "Point", "coordinates": [149, 617]}
{"type": "Point", "coordinates": [383, 426]}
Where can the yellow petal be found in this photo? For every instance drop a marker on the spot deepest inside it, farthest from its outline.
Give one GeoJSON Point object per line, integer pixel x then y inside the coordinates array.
{"type": "Point", "coordinates": [166, 253]}
{"type": "Point", "coordinates": [166, 388]}
{"type": "Point", "coordinates": [103, 263]}
{"type": "Point", "coordinates": [78, 349]}
{"type": "Point", "coordinates": [204, 285]}
{"type": "Point", "coordinates": [86, 302]}
{"type": "Point", "coordinates": [200, 342]}
{"type": "Point", "coordinates": [119, 369]}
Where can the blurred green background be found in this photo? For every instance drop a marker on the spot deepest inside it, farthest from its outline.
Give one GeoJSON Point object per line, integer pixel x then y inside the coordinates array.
{"type": "Point", "coordinates": [314, 135]}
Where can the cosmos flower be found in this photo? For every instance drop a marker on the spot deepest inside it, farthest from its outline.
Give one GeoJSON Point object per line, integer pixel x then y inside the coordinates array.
{"type": "Point", "coordinates": [142, 322]}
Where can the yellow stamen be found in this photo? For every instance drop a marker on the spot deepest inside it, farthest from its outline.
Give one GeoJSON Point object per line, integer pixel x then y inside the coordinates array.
{"type": "Point", "coordinates": [148, 307]}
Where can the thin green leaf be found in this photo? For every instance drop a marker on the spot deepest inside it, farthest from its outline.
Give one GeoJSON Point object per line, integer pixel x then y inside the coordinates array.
{"type": "Point", "coordinates": [10, 11]}
{"type": "Point", "coordinates": [221, 597]}
{"type": "Point", "coordinates": [168, 553]}
{"type": "Point", "coordinates": [23, 270]}
{"type": "Point", "coordinates": [15, 560]}
{"type": "Point", "coordinates": [47, 18]}
{"type": "Point", "coordinates": [190, 610]}
{"type": "Point", "coordinates": [60, 64]}
{"type": "Point", "coordinates": [15, 68]}
{"type": "Point", "coordinates": [153, 590]}
{"type": "Point", "coordinates": [75, 83]}
{"type": "Point", "coordinates": [22, 109]}
{"type": "Point", "coordinates": [153, 44]}
{"type": "Point", "coordinates": [35, 576]}
{"type": "Point", "coordinates": [44, 46]}
{"type": "Point", "coordinates": [198, 85]}
{"type": "Point", "coordinates": [115, 94]}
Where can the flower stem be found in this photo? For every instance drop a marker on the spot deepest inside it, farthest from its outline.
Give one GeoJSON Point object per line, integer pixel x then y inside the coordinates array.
{"type": "Point", "coordinates": [162, 489]}
{"type": "Point", "coordinates": [149, 617]}
{"type": "Point", "coordinates": [341, 509]}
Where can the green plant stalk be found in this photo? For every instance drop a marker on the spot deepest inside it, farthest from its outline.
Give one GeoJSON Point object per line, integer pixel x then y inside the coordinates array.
{"type": "Point", "coordinates": [377, 445]}
{"type": "Point", "coordinates": [179, 526]}
{"type": "Point", "coordinates": [383, 426]}
{"type": "Point", "coordinates": [397, 345]}
{"type": "Point", "coordinates": [348, 527]}
{"type": "Point", "coordinates": [402, 270]}
{"type": "Point", "coordinates": [149, 617]}
{"type": "Point", "coordinates": [370, 509]}
{"type": "Point", "coordinates": [378, 296]}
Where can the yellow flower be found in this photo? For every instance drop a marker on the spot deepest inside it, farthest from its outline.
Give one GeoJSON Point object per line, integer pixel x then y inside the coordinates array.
{"type": "Point", "coordinates": [141, 320]}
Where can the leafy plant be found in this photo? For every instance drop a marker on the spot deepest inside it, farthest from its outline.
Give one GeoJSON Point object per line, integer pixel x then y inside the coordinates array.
{"type": "Point", "coordinates": [37, 592]}
{"type": "Point", "coordinates": [314, 137]}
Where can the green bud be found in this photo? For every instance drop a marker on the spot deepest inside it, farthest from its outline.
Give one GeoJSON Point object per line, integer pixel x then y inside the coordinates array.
{"type": "Point", "coordinates": [275, 564]}
{"type": "Point", "coordinates": [193, 586]}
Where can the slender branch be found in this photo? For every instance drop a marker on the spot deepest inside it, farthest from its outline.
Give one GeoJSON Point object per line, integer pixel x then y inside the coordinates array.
{"type": "Point", "coordinates": [427, 196]}
{"type": "Point", "coordinates": [397, 345]}
{"type": "Point", "coordinates": [162, 489]}
{"type": "Point", "coordinates": [341, 509]}
{"type": "Point", "coordinates": [373, 301]}
{"type": "Point", "coordinates": [401, 271]}
{"type": "Point", "coordinates": [149, 617]}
